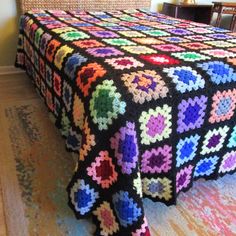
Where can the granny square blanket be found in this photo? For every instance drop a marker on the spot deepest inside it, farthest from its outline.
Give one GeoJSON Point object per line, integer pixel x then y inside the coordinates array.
{"type": "Point", "coordinates": [146, 100]}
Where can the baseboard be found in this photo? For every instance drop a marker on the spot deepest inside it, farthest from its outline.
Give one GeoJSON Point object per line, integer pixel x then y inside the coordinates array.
{"type": "Point", "coordinates": [8, 70]}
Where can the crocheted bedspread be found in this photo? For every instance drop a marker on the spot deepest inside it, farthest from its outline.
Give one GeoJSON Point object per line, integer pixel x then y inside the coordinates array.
{"type": "Point", "coordinates": [146, 100]}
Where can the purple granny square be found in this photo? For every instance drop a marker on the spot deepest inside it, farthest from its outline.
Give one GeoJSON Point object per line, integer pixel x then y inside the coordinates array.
{"type": "Point", "coordinates": [179, 31]}
{"type": "Point", "coordinates": [117, 28]}
{"type": "Point", "coordinates": [220, 36]}
{"type": "Point", "coordinates": [157, 160]}
{"type": "Point", "coordinates": [191, 113]}
{"type": "Point", "coordinates": [104, 52]}
{"type": "Point", "coordinates": [104, 34]}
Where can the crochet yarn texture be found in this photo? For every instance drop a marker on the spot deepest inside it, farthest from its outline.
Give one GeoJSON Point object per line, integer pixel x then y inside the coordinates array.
{"type": "Point", "coordinates": [147, 101]}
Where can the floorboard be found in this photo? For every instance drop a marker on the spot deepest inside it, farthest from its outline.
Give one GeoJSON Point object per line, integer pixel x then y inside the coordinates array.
{"type": "Point", "coordinates": [15, 87]}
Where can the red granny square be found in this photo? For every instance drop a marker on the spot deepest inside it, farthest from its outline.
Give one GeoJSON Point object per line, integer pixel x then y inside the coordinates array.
{"type": "Point", "coordinates": [160, 59]}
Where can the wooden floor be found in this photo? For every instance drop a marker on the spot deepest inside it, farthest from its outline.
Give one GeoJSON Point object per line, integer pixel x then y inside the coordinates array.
{"type": "Point", "coordinates": [2, 220]}
{"type": "Point", "coordinates": [14, 87]}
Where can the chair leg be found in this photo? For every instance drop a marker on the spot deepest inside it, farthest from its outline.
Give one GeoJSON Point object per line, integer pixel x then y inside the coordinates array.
{"type": "Point", "coordinates": [231, 27]}
{"type": "Point", "coordinates": [212, 13]}
{"type": "Point", "coordinates": [218, 20]}
{"type": "Point", "coordinates": [234, 24]}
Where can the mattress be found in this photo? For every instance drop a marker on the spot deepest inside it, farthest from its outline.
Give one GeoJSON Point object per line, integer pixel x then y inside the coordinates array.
{"type": "Point", "coordinates": [147, 102]}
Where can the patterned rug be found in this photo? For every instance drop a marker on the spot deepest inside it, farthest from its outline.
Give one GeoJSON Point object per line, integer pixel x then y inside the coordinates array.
{"type": "Point", "coordinates": [35, 169]}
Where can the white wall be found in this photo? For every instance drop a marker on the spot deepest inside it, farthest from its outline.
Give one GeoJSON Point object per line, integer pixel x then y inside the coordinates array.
{"type": "Point", "coordinates": [8, 31]}
{"type": "Point", "coordinates": [156, 5]}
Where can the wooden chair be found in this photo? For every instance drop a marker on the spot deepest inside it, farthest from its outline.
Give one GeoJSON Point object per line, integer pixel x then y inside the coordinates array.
{"type": "Point", "coordinates": [228, 8]}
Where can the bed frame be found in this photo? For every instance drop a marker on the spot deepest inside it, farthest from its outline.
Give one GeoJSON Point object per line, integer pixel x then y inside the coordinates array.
{"type": "Point", "coordinates": [89, 5]}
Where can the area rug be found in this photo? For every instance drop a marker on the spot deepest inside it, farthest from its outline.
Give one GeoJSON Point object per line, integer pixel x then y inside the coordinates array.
{"type": "Point", "coordinates": [36, 168]}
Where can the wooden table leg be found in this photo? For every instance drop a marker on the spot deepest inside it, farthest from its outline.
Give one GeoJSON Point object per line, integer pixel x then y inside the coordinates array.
{"type": "Point", "coordinates": [231, 27]}
{"type": "Point", "coordinates": [234, 23]}
{"type": "Point", "coordinates": [218, 20]}
{"type": "Point", "coordinates": [212, 13]}
{"type": "Point", "coordinates": [176, 12]}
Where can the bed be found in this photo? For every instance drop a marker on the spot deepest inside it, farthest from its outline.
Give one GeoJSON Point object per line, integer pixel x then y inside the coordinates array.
{"type": "Point", "coordinates": [147, 101]}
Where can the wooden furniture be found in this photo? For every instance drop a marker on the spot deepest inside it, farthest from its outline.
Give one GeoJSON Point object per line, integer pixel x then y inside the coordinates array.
{"type": "Point", "coordinates": [228, 8]}
{"type": "Point", "coordinates": [194, 12]}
